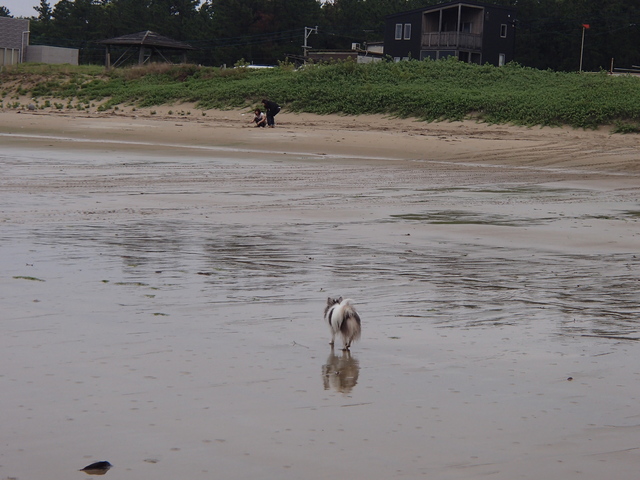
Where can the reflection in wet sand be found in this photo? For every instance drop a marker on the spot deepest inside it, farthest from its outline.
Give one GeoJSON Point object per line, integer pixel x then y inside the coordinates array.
{"type": "Point", "coordinates": [451, 285]}
{"type": "Point", "coordinates": [340, 373]}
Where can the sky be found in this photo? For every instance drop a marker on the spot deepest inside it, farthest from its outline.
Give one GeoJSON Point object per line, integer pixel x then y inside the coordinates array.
{"type": "Point", "coordinates": [22, 8]}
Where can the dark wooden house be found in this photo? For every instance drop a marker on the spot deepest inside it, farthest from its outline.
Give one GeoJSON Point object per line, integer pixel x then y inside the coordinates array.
{"type": "Point", "coordinates": [473, 32]}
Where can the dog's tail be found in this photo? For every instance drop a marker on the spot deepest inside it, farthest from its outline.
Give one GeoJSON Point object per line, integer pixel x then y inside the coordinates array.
{"type": "Point", "coordinates": [350, 327]}
{"type": "Point", "coordinates": [351, 330]}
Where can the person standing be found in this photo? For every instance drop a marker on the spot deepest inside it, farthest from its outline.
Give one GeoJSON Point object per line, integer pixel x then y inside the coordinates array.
{"type": "Point", "coordinates": [272, 109]}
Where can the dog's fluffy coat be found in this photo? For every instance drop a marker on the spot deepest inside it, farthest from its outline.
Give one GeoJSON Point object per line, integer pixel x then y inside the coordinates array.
{"type": "Point", "coordinates": [343, 319]}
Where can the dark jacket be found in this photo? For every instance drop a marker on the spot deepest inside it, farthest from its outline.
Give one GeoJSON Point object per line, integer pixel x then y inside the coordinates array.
{"type": "Point", "coordinates": [271, 107]}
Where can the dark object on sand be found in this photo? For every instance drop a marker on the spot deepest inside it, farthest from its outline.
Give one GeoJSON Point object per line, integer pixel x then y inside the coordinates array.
{"type": "Point", "coordinates": [97, 468]}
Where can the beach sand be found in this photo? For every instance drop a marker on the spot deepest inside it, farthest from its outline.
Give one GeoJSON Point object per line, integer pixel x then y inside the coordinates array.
{"type": "Point", "coordinates": [164, 276]}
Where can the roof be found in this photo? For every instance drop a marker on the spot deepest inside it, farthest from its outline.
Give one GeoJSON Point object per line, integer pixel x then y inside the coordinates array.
{"type": "Point", "coordinates": [439, 6]}
{"type": "Point", "coordinates": [149, 39]}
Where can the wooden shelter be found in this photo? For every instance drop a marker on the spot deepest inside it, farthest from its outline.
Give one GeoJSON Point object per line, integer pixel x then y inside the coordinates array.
{"type": "Point", "coordinates": [147, 44]}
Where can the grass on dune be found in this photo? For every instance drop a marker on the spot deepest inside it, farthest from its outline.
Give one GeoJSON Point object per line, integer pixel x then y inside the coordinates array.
{"type": "Point", "coordinates": [427, 90]}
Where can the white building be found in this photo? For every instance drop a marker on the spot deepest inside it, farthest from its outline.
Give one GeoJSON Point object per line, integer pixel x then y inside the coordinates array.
{"type": "Point", "coordinates": [52, 55]}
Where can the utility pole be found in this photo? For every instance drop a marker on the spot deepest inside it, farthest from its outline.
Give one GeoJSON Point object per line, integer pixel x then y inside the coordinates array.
{"type": "Point", "coordinates": [308, 31]}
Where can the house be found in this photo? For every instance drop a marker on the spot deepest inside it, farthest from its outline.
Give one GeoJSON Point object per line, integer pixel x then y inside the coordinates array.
{"type": "Point", "coordinates": [473, 32]}
{"type": "Point", "coordinates": [14, 39]}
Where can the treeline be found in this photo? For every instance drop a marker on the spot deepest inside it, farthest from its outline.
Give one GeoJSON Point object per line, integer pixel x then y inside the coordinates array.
{"type": "Point", "coordinates": [548, 34]}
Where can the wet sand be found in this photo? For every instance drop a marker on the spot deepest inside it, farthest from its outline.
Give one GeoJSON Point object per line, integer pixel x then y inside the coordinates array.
{"type": "Point", "coordinates": [163, 281]}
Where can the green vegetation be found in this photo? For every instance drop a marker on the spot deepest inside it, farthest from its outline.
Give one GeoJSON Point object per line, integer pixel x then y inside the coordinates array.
{"type": "Point", "coordinates": [445, 90]}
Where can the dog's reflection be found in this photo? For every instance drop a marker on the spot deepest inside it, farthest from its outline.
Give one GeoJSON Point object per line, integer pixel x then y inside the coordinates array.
{"type": "Point", "coordinates": [340, 373]}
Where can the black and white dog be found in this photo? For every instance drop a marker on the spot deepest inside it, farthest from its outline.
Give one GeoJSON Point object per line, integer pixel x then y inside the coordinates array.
{"type": "Point", "coordinates": [343, 319]}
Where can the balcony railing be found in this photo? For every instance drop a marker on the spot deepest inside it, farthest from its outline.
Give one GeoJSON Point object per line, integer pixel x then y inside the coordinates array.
{"type": "Point", "coordinates": [452, 40]}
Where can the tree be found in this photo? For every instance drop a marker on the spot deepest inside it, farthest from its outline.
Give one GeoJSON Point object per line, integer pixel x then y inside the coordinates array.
{"type": "Point", "coordinates": [237, 25]}
{"type": "Point", "coordinates": [4, 12]}
{"type": "Point", "coordinates": [361, 20]}
{"type": "Point", "coordinates": [44, 11]}
{"type": "Point", "coordinates": [174, 18]}
{"type": "Point", "coordinates": [128, 16]}
{"type": "Point", "coordinates": [204, 36]}
{"type": "Point", "coordinates": [41, 25]}
{"type": "Point", "coordinates": [614, 33]}
{"type": "Point", "coordinates": [77, 24]}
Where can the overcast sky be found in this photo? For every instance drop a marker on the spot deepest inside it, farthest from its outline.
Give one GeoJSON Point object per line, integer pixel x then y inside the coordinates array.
{"type": "Point", "coordinates": [21, 8]}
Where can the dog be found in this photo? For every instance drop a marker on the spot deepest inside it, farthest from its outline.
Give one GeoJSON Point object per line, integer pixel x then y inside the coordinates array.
{"type": "Point", "coordinates": [343, 319]}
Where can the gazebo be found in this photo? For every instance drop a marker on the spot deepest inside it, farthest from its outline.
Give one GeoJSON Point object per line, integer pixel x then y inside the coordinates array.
{"type": "Point", "coordinates": [147, 44]}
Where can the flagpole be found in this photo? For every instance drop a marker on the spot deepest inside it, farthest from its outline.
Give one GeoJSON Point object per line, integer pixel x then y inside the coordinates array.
{"type": "Point", "coordinates": [582, 48]}
{"type": "Point", "coordinates": [584, 27]}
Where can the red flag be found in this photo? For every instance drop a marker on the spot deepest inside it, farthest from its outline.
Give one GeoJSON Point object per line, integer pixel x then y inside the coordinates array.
{"type": "Point", "coordinates": [585, 25]}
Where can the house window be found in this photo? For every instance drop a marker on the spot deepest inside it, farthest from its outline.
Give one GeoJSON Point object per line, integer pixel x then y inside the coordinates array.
{"type": "Point", "coordinates": [398, 31]}
{"type": "Point", "coordinates": [465, 27]}
{"type": "Point", "coordinates": [501, 59]}
{"type": "Point", "coordinates": [503, 30]}
{"type": "Point", "coordinates": [407, 31]}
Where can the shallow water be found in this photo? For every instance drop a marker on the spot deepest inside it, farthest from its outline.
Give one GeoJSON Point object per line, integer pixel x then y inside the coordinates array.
{"type": "Point", "coordinates": [164, 314]}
